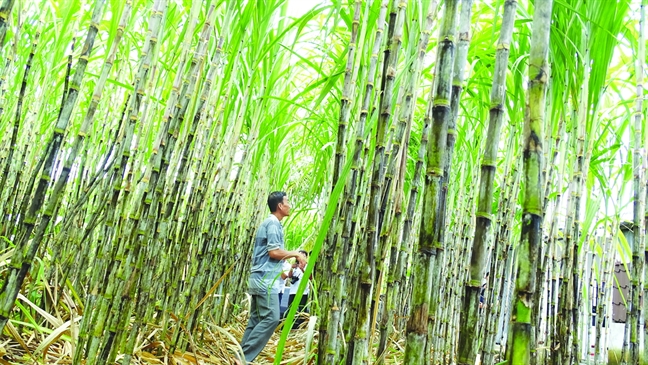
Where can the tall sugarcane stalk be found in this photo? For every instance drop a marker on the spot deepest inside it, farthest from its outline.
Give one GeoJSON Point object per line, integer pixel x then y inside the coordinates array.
{"type": "Point", "coordinates": [181, 182]}
{"type": "Point", "coordinates": [22, 261]}
{"type": "Point", "coordinates": [502, 248]}
{"type": "Point", "coordinates": [405, 119]}
{"type": "Point", "coordinates": [17, 118]}
{"type": "Point", "coordinates": [547, 268]}
{"type": "Point", "coordinates": [90, 113]}
{"type": "Point", "coordinates": [92, 327]}
{"type": "Point", "coordinates": [444, 329]}
{"type": "Point", "coordinates": [345, 100]}
{"type": "Point", "coordinates": [480, 255]}
{"type": "Point", "coordinates": [368, 269]}
{"type": "Point", "coordinates": [167, 210]}
{"type": "Point", "coordinates": [428, 256]}
{"type": "Point", "coordinates": [406, 247]}
{"type": "Point", "coordinates": [603, 310]}
{"type": "Point", "coordinates": [553, 335]}
{"type": "Point", "coordinates": [639, 254]}
{"type": "Point", "coordinates": [571, 290]}
{"type": "Point", "coordinates": [442, 324]}
{"type": "Point", "coordinates": [329, 260]}
{"type": "Point", "coordinates": [458, 77]}
{"type": "Point", "coordinates": [152, 198]}
{"type": "Point", "coordinates": [520, 339]}
{"type": "Point", "coordinates": [640, 73]}
{"type": "Point", "coordinates": [340, 265]}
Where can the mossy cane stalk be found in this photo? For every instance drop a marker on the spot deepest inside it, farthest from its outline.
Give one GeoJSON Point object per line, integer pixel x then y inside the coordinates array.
{"type": "Point", "coordinates": [429, 250]}
{"type": "Point", "coordinates": [21, 262]}
{"type": "Point", "coordinates": [468, 340]}
{"type": "Point", "coordinates": [520, 344]}
{"type": "Point", "coordinates": [406, 116]}
{"type": "Point", "coordinates": [367, 270]}
{"type": "Point", "coordinates": [16, 125]}
{"type": "Point", "coordinates": [93, 326]}
{"type": "Point", "coordinates": [329, 352]}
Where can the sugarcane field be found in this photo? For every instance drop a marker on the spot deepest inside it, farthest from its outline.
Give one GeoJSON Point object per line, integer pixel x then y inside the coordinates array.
{"type": "Point", "coordinates": [323, 182]}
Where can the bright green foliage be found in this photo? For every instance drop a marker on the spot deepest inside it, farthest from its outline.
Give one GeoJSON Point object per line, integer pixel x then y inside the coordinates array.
{"type": "Point", "coordinates": [139, 140]}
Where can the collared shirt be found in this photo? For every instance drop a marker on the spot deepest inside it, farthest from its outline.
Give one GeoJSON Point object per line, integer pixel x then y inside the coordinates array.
{"type": "Point", "coordinates": [299, 274]}
{"type": "Point", "coordinates": [266, 272]}
{"type": "Point", "coordinates": [285, 268]}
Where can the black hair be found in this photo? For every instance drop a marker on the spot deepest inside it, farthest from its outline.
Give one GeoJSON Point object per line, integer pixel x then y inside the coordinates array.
{"type": "Point", "coordinates": [303, 252]}
{"type": "Point", "coordinates": [274, 199]}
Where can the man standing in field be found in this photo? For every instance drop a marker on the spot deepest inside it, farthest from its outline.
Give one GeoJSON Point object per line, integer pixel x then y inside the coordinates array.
{"type": "Point", "coordinates": [265, 278]}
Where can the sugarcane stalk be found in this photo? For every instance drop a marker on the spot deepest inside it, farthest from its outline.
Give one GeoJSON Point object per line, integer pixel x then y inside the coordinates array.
{"type": "Point", "coordinates": [606, 282]}
{"type": "Point", "coordinates": [21, 262]}
{"type": "Point", "coordinates": [501, 246]}
{"type": "Point", "coordinates": [5, 12]}
{"type": "Point", "coordinates": [345, 99]}
{"type": "Point", "coordinates": [405, 119]}
{"type": "Point", "coordinates": [89, 117]}
{"type": "Point", "coordinates": [329, 260]}
{"type": "Point", "coordinates": [160, 162]}
{"type": "Point", "coordinates": [430, 250]}
{"type": "Point", "coordinates": [93, 327]}
{"type": "Point", "coordinates": [17, 118]}
{"type": "Point", "coordinates": [520, 344]}
{"type": "Point", "coordinates": [458, 77]}
{"type": "Point", "coordinates": [639, 254]}
{"type": "Point", "coordinates": [171, 209]}
{"type": "Point", "coordinates": [368, 269]}
{"type": "Point", "coordinates": [480, 255]}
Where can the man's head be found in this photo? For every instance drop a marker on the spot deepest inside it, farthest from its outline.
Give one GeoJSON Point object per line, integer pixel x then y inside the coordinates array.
{"type": "Point", "coordinates": [303, 253]}
{"type": "Point", "coordinates": [278, 204]}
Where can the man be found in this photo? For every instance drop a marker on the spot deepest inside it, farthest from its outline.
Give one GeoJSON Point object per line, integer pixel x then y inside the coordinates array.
{"type": "Point", "coordinates": [265, 278]}
{"type": "Point", "coordinates": [296, 275]}
{"type": "Point", "coordinates": [286, 269]}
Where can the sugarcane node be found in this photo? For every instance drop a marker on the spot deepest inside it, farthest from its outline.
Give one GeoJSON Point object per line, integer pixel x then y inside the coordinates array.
{"type": "Point", "coordinates": [484, 215]}
{"type": "Point", "coordinates": [488, 163]}
{"type": "Point", "coordinates": [541, 75]}
{"type": "Point", "coordinates": [441, 103]}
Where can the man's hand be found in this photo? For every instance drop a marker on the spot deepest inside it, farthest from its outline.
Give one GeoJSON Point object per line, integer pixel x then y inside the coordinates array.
{"type": "Point", "coordinates": [302, 261]}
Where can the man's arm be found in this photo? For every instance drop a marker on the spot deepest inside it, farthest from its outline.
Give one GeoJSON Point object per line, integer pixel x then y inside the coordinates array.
{"type": "Point", "coordinates": [281, 254]}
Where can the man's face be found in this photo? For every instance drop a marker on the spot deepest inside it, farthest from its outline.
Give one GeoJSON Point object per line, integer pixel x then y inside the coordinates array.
{"type": "Point", "coordinates": [284, 207]}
